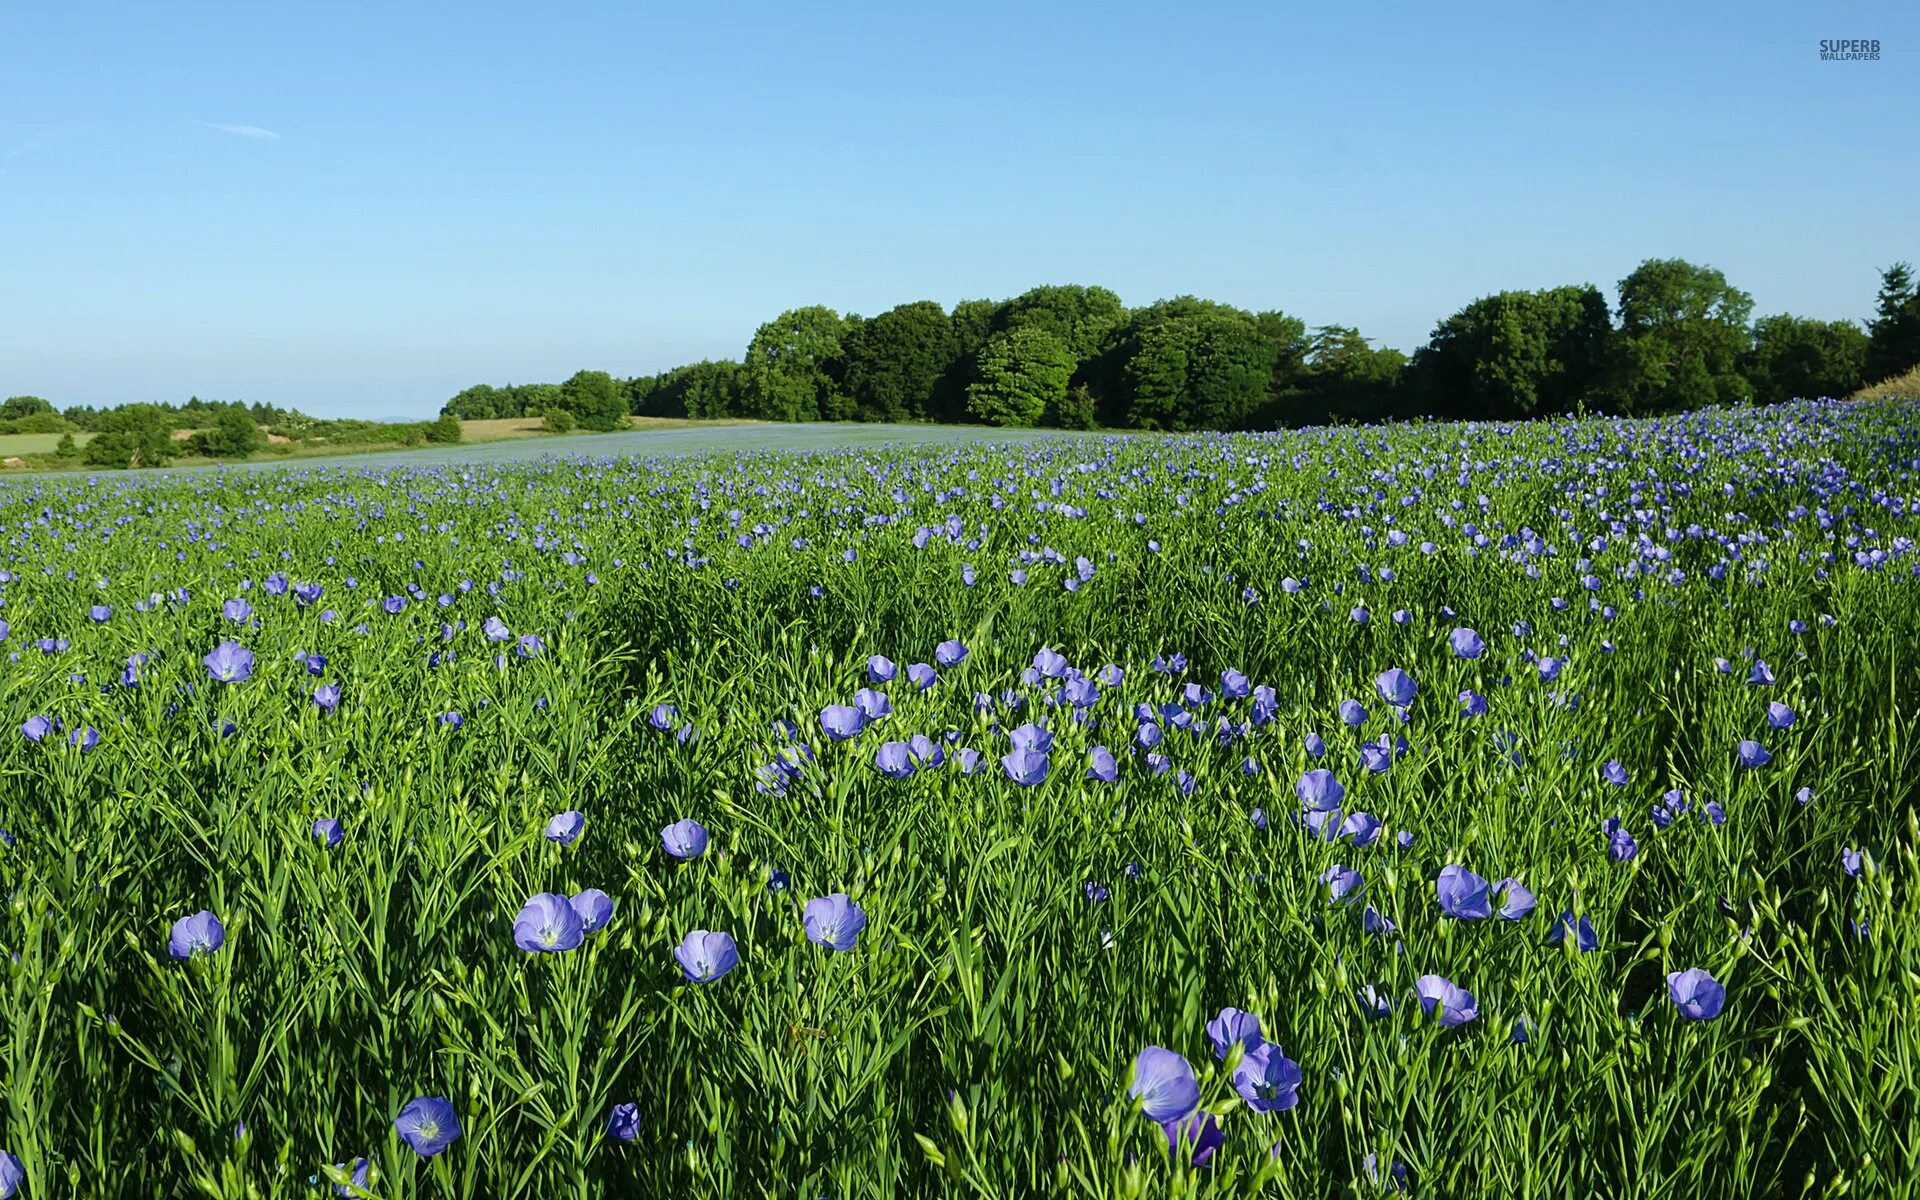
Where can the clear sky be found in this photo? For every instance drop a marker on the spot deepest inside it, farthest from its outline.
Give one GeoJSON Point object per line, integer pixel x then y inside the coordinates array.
{"type": "Point", "coordinates": [358, 208]}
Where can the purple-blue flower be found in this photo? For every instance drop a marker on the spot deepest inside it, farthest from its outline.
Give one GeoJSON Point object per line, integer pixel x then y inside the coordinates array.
{"type": "Point", "coordinates": [623, 1123]}
{"type": "Point", "coordinates": [1267, 1079]}
{"type": "Point", "coordinates": [684, 839]}
{"type": "Point", "coordinates": [566, 827]}
{"type": "Point", "coordinates": [842, 721]}
{"type": "Point", "coordinates": [833, 921]}
{"type": "Point", "coordinates": [1463, 894]}
{"type": "Point", "coordinates": [594, 907]}
{"type": "Point", "coordinates": [1233, 1026]}
{"type": "Point", "coordinates": [1164, 1085]}
{"type": "Point", "coordinates": [201, 933]}
{"type": "Point", "coordinates": [1456, 1005]}
{"type": "Point", "coordinates": [428, 1124]}
{"type": "Point", "coordinates": [548, 924]}
{"type": "Point", "coordinates": [229, 662]}
{"type": "Point", "coordinates": [705, 956]}
{"type": "Point", "coordinates": [1319, 790]}
{"type": "Point", "coordinates": [1697, 995]}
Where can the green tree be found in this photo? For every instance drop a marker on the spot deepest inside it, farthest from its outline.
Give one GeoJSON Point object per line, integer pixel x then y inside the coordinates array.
{"type": "Point", "coordinates": [17, 407]}
{"type": "Point", "coordinates": [1083, 319]}
{"type": "Point", "coordinates": [1517, 354]}
{"type": "Point", "coordinates": [1800, 358]}
{"type": "Point", "coordinates": [703, 391]}
{"type": "Point", "coordinates": [1206, 370]}
{"type": "Point", "coordinates": [134, 435]}
{"type": "Point", "coordinates": [972, 322]}
{"type": "Point", "coordinates": [594, 399]}
{"type": "Point", "coordinates": [1894, 333]}
{"type": "Point", "coordinates": [67, 448]}
{"type": "Point", "coordinates": [1076, 410]}
{"type": "Point", "coordinates": [558, 420]}
{"type": "Point", "coordinates": [1683, 334]}
{"type": "Point", "coordinates": [791, 365]}
{"type": "Point", "coordinates": [481, 402]}
{"type": "Point", "coordinates": [446, 430]}
{"type": "Point", "coordinates": [895, 362]}
{"type": "Point", "coordinates": [233, 435]}
{"type": "Point", "coordinates": [639, 392]}
{"type": "Point", "coordinates": [1347, 378]}
{"type": "Point", "coordinates": [1021, 374]}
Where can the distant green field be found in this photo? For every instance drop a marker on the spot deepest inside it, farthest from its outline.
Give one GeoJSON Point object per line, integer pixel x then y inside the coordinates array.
{"type": "Point", "coordinates": [21, 444]}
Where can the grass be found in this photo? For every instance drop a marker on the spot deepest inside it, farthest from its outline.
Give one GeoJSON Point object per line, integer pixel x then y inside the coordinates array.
{"type": "Point", "coordinates": [19, 445]}
{"type": "Point", "coordinates": [675, 635]}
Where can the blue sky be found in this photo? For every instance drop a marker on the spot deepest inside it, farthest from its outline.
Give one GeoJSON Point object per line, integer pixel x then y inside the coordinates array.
{"type": "Point", "coordinates": [358, 209]}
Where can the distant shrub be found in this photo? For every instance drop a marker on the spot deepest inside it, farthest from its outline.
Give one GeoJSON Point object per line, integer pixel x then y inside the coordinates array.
{"type": "Point", "coordinates": [446, 430]}
{"type": "Point", "coordinates": [558, 420]}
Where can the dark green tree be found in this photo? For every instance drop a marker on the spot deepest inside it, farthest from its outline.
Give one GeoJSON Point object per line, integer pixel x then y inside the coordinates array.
{"type": "Point", "coordinates": [895, 362]}
{"type": "Point", "coordinates": [973, 322]}
{"type": "Point", "coordinates": [1798, 358]}
{"type": "Point", "coordinates": [1517, 354]}
{"type": "Point", "coordinates": [481, 402]}
{"type": "Point", "coordinates": [1021, 375]}
{"type": "Point", "coordinates": [17, 407]}
{"type": "Point", "coordinates": [1894, 345]}
{"type": "Point", "coordinates": [1208, 370]}
{"type": "Point", "coordinates": [232, 435]}
{"type": "Point", "coordinates": [594, 399]}
{"type": "Point", "coordinates": [447, 431]}
{"type": "Point", "coordinates": [1683, 334]}
{"type": "Point", "coordinates": [639, 392]}
{"type": "Point", "coordinates": [134, 435]}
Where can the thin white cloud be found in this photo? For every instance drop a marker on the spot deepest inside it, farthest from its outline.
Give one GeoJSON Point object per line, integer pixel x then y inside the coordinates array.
{"type": "Point", "coordinates": [246, 131]}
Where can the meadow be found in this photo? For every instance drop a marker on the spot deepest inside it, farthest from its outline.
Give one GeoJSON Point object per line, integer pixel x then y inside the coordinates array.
{"type": "Point", "coordinates": [1448, 810]}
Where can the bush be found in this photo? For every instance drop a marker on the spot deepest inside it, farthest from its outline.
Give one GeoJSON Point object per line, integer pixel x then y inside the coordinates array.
{"type": "Point", "coordinates": [446, 430]}
{"type": "Point", "coordinates": [234, 435]}
{"type": "Point", "coordinates": [67, 448]}
{"type": "Point", "coordinates": [558, 420]}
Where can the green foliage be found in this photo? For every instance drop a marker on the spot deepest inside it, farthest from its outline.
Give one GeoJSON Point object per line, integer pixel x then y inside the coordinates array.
{"type": "Point", "coordinates": [233, 435]}
{"type": "Point", "coordinates": [1082, 319]}
{"type": "Point", "coordinates": [558, 420]}
{"type": "Point", "coordinates": [1076, 410]}
{"type": "Point", "coordinates": [895, 362]}
{"type": "Point", "coordinates": [18, 407]}
{"type": "Point", "coordinates": [1895, 331]}
{"type": "Point", "coordinates": [1517, 354]}
{"type": "Point", "coordinates": [1683, 336]}
{"type": "Point", "coordinates": [1797, 358]}
{"type": "Point", "coordinates": [447, 431]}
{"type": "Point", "coordinates": [67, 449]}
{"type": "Point", "coordinates": [135, 435]}
{"type": "Point", "coordinates": [1206, 370]}
{"type": "Point", "coordinates": [39, 422]}
{"type": "Point", "coordinates": [1020, 375]}
{"type": "Point", "coordinates": [791, 364]}
{"type": "Point", "coordinates": [595, 400]}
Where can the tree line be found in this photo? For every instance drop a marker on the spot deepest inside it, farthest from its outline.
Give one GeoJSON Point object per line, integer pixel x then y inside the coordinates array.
{"type": "Point", "coordinates": [1678, 336]}
{"type": "Point", "coordinates": [151, 434]}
